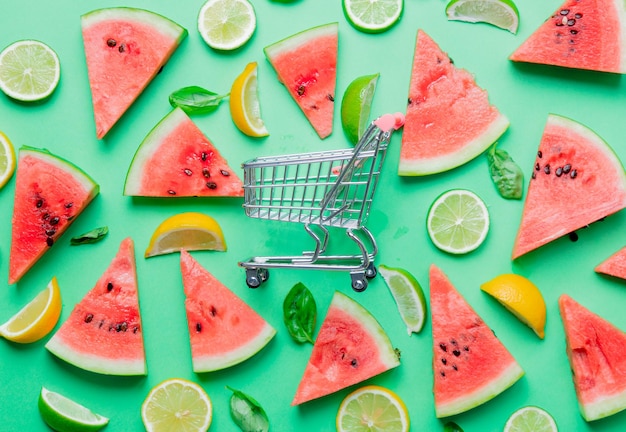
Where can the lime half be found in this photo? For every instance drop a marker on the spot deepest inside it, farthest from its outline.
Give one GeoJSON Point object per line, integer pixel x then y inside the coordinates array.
{"type": "Point", "coordinates": [29, 70]}
{"type": "Point", "coordinates": [458, 221]}
{"type": "Point", "coordinates": [356, 106]}
{"type": "Point", "coordinates": [372, 408]}
{"type": "Point", "coordinates": [500, 13]}
{"type": "Point", "coordinates": [226, 24]}
{"type": "Point", "coordinates": [530, 419]}
{"type": "Point", "coordinates": [63, 414]}
{"type": "Point", "coordinates": [408, 294]}
{"type": "Point", "coordinates": [373, 16]}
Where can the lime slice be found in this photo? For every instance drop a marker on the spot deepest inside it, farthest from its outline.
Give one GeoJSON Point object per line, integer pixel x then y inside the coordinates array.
{"type": "Point", "coordinates": [7, 159]}
{"type": "Point", "coordinates": [530, 419]}
{"type": "Point", "coordinates": [245, 109]}
{"type": "Point", "coordinates": [408, 294]}
{"type": "Point", "coordinates": [29, 70]}
{"type": "Point", "coordinates": [372, 408]}
{"type": "Point", "coordinates": [226, 24]}
{"type": "Point", "coordinates": [356, 106]}
{"type": "Point", "coordinates": [458, 221]}
{"type": "Point", "coordinates": [63, 414]}
{"type": "Point", "coordinates": [373, 16]}
{"type": "Point", "coordinates": [500, 13]}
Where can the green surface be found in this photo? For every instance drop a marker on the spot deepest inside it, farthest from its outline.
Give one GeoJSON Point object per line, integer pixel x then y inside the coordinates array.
{"type": "Point", "coordinates": [524, 93]}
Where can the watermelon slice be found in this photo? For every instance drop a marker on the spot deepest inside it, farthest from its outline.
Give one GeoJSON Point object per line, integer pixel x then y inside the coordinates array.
{"type": "Point", "coordinates": [574, 170]}
{"type": "Point", "coordinates": [223, 330]}
{"type": "Point", "coordinates": [596, 350]}
{"type": "Point", "coordinates": [470, 365]}
{"type": "Point", "coordinates": [449, 119]}
{"type": "Point", "coordinates": [580, 34]}
{"type": "Point", "coordinates": [177, 159]}
{"type": "Point", "coordinates": [615, 265]}
{"type": "Point", "coordinates": [306, 63]}
{"type": "Point", "coordinates": [350, 347]}
{"type": "Point", "coordinates": [50, 192]}
{"type": "Point", "coordinates": [125, 48]}
{"type": "Point", "coordinates": [103, 333]}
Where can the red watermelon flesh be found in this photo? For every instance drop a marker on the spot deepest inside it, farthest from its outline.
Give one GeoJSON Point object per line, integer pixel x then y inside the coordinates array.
{"type": "Point", "coordinates": [125, 48]}
{"type": "Point", "coordinates": [615, 265]}
{"type": "Point", "coordinates": [223, 329]}
{"type": "Point", "coordinates": [585, 34]}
{"type": "Point", "coordinates": [470, 365]}
{"type": "Point", "coordinates": [577, 179]}
{"type": "Point", "coordinates": [177, 159]}
{"type": "Point", "coordinates": [449, 119]}
{"type": "Point", "coordinates": [50, 193]}
{"type": "Point", "coordinates": [350, 347]}
{"type": "Point", "coordinates": [306, 63]}
{"type": "Point", "coordinates": [596, 350]}
{"type": "Point", "coordinates": [103, 333]}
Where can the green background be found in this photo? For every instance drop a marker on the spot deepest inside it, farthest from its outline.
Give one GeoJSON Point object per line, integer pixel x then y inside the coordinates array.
{"type": "Point", "coordinates": [524, 93]}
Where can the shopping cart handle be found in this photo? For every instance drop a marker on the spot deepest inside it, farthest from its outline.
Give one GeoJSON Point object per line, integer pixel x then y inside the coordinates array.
{"type": "Point", "coordinates": [387, 122]}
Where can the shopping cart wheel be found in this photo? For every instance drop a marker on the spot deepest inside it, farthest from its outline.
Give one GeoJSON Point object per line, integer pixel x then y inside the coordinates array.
{"type": "Point", "coordinates": [256, 276]}
{"type": "Point", "coordinates": [359, 282]}
{"type": "Point", "coordinates": [370, 271]}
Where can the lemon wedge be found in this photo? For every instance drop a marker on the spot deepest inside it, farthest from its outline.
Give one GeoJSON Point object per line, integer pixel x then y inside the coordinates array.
{"type": "Point", "coordinates": [7, 159]}
{"type": "Point", "coordinates": [189, 231]}
{"type": "Point", "coordinates": [245, 109]}
{"type": "Point", "coordinates": [37, 318]}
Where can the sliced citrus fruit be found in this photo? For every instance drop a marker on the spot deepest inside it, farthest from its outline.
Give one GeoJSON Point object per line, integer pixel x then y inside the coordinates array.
{"type": "Point", "coordinates": [373, 16]}
{"type": "Point", "coordinates": [37, 318]}
{"type": "Point", "coordinates": [189, 231]}
{"type": "Point", "coordinates": [530, 419]}
{"type": "Point", "coordinates": [372, 408]}
{"type": "Point", "coordinates": [7, 159]}
{"type": "Point", "coordinates": [408, 295]}
{"type": "Point", "coordinates": [521, 297]}
{"type": "Point", "coordinates": [245, 109]}
{"type": "Point", "coordinates": [177, 405]}
{"type": "Point", "coordinates": [356, 106]}
{"type": "Point", "coordinates": [29, 70]}
{"type": "Point", "coordinates": [226, 24]}
{"type": "Point", "coordinates": [500, 13]}
{"type": "Point", "coordinates": [63, 414]}
{"type": "Point", "coordinates": [458, 221]}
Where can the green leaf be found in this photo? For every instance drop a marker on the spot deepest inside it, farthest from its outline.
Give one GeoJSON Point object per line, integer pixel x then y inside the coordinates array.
{"type": "Point", "coordinates": [196, 100]}
{"type": "Point", "coordinates": [505, 173]}
{"type": "Point", "coordinates": [299, 313]}
{"type": "Point", "coordinates": [93, 236]}
{"type": "Point", "coordinates": [452, 427]}
{"type": "Point", "coordinates": [247, 413]}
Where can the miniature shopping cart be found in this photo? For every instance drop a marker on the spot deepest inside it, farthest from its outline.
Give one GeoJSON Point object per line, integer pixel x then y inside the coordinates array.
{"type": "Point", "coordinates": [322, 190]}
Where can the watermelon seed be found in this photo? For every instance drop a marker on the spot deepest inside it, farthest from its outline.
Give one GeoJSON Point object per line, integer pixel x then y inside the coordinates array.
{"type": "Point", "coordinates": [559, 172]}
{"type": "Point", "coordinates": [539, 154]}
{"type": "Point", "coordinates": [135, 329]}
{"type": "Point", "coordinates": [211, 185]}
{"type": "Point", "coordinates": [442, 373]}
{"type": "Point", "coordinates": [456, 353]}
{"type": "Point", "coordinates": [88, 318]}
{"type": "Point", "coordinates": [443, 347]}
{"type": "Point", "coordinates": [111, 42]}
{"type": "Point", "coordinates": [54, 220]}
{"type": "Point", "coordinates": [45, 216]}
{"type": "Point", "coordinates": [330, 97]}
{"type": "Point", "coordinates": [566, 168]}
{"type": "Point", "coordinates": [122, 48]}
{"type": "Point", "coordinates": [573, 31]}
{"type": "Point", "coordinates": [188, 171]}
{"type": "Point", "coordinates": [224, 173]}
{"type": "Point", "coordinates": [69, 205]}
{"type": "Point", "coordinates": [444, 360]}
{"type": "Point", "coordinates": [198, 327]}
{"type": "Point", "coordinates": [534, 175]}
{"type": "Point", "coordinates": [171, 192]}
{"type": "Point", "coordinates": [203, 156]}
{"type": "Point", "coordinates": [573, 174]}
{"type": "Point", "coordinates": [49, 241]}
{"type": "Point", "coordinates": [354, 363]}
{"type": "Point", "coordinates": [301, 90]}
{"type": "Point", "coordinates": [465, 348]}
{"type": "Point", "coordinates": [571, 22]}
{"type": "Point", "coordinates": [50, 233]}
{"type": "Point", "coordinates": [101, 324]}
{"type": "Point", "coordinates": [213, 311]}
{"type": "Point", "coordinates": [122, 327]}
{"type": "Point", "coordinates": [109, 286]}
{"type": "Point", "coordinates": [537, 166]}
{"type": "Point", "coordinates": [578, 15]}
{"type": "Point", "coordinates": [206, 172]}
{"type": "Point", "coordinates": [455, 367]}
{"type": "Point", "coordinates": [546, 169]}
{"type": "Point", "coordinates": [39, 203]}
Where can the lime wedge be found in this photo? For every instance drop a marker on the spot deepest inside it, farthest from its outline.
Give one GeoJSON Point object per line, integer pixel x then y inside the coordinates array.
{"type": "Point", "coordinates": [29, 70]}
{"type": "Point", "coordinates": [530, 419]}
{"type": "Point", "coordinates": [373, 16]}
{"type": "Point", "coordinates": [226, 24]}
{"type": "Point", "coordinates": [409, 296]}
{"type": "Point", "coordinates": [499, 13]}
{"type": "Point", "coordinates": [356, 106]}
{"type": "Point", "coordinates": [458, 221]}
{"type": "Point", "coordinates": [63, 414]}
{"type": "Point", "coordinates": [7, 159]}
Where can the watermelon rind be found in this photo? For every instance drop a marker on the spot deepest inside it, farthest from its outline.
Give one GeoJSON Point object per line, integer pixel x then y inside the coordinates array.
{"type": "Point", "coordinates": [294, 41]}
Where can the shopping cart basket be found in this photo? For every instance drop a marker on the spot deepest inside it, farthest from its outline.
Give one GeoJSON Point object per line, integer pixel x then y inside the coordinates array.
{"type": "Point", "coordinates": [326, 189]}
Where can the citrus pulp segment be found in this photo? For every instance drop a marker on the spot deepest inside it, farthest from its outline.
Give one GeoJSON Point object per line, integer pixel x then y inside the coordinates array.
{"type": "Point", "coordinates": [372, 408]}
{"type": "Point", "coordinates": [63, 414]}
{"type": "Point", "coordinates": [356, 106]}
{"type": "Point", "coordinates": [7, 159]}
{"type": "Point", "coordinates": [530, 419]}
{"type": "Point", "coordinates": [373, 16]}
{"type": "Point", "coordinates": [226, 24]}
{"type": "Point", "coordinates": [29, 70]}
{"type": "Point", "coordinates": [245, 109]}
{"type": "Point", "coordinates": [408, 295]}
{"type": "Point", "coordinates": [500, 13]}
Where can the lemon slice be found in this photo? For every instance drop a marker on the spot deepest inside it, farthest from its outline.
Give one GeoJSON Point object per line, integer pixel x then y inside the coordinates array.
{"type": "Point", "coordinates": [408, 295]}
{"type": "Point", "coordinates": [373, 16]}
{"type": "Point", "coordinates": [177, 405]}
{"type": "Point", "coordinates": [37, 318]}
{"type": "Point", "coordinates": [372, 408]}
{"type": "Point", "coordinates": [356, 106]}
{"type": "Point", "coordinates": [245, 109]}
{"type": "Point", "coordinates": [521, 297]}
{"type": "Point", "coordinates": [63, 414]}
{"type": "Point", "coordinates": [499, 13]}
{"type": "Point", "coordinates": [226, 24]}
{"type": "Point", "coordinates": [189, 231]}
{"type": "Point", "coordinates": [530, 419]}
{"type": "Point", "coordinates": [7, 159]}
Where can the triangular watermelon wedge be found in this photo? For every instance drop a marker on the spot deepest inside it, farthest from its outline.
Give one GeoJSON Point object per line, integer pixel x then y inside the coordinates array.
{"type": "Point", "coordinates": [470, 365]}
{"type": "Point", "coordinates": [177, 160]}
{"type": "Point", "coordinates": [577, 179]}
{"type": "Point", "coordinates": [615, 265]}
{"type": "Point", "coordinates": [103, 333]}
{"type": "Point", "coordinates": [350, 347]}
{"type": "Point", "coordinates": [449, 119]}
{"type": "Point", "coordinates": [125, 48]}
{"type": "Point", "coordinates": [596, 350]}
{"type": "Point", "coordinates": [223, 329]}
{"type": "Point", "coordinates": [50, 193]}
{"type": "Point", "coordinates": [582, 35]}
{"type": "Point", "coordinates": [306, 63]}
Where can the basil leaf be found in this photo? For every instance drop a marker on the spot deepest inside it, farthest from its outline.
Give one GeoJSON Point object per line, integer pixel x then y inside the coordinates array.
{"type": "Point", "coordinates": [452, 427]}
{"type": "Point", "coordinates": [247, 413]}
{"type": "Point", "coordinates": [93, 236]}
{"type": "Point", "coordinates": [196, 100]}
{"type": "Point", "coordinates": [299, 313]}
{"type": "Point", "coordinates": [505, 173]}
